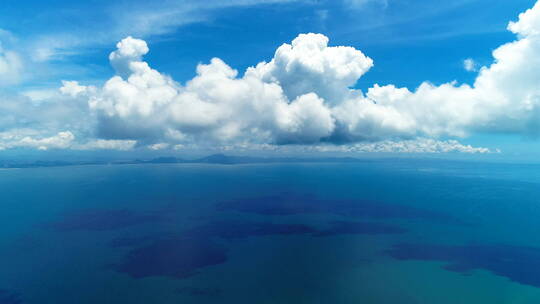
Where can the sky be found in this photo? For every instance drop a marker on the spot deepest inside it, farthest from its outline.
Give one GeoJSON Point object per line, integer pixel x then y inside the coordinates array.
{"type": "Point", "coordinates": [280, 76]}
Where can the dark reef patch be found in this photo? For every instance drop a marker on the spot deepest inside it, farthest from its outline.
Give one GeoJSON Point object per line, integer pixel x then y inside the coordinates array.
{"type": "Point", "coordinates": [137, 241]}
{"type": "Point", "coordinates": [195, 291]}
{"type": "Point", "coordinates": [103, 220]}
{"type": "Point", "coordinates": [294, 204]}
{"type": "Point", "coordinates": [8, 297]}
{"type": "Point", "coordinates": [178, 258]}
{"type": "Point", "coordinates": [181, 255]}
{"type": "Point", "coordinates": [244, 229]}
{"type": "Point", "coordinates": [519, 264]}
{"type": "Point", "coordinates": [342, 227]}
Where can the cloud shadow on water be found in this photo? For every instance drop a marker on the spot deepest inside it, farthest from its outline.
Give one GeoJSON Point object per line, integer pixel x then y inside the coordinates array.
{"type": "Point", "coordinates": [519, 264]}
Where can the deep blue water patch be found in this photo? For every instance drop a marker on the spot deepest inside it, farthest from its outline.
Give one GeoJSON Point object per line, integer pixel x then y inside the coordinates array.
{"type": "Point", "coordinates": [178, 258]}
{"type": "Point", "coordinates": [102, 220]}
{"type": "Point", "coordinates": [139, 241]}
{"type": "Point", "coordinates": [184, 254]}
{"type": "Point", "coordinates": [295, 204]}
{"type": "Point", "coordinates": [519, 264]}
{"type": "Point", "coordinates": [244, 229]}
{"type": "Point", "coordinates": [226, 229]}
{"type": "Point", "coordinates": [8, 297]}
{"type": "Point", "coordinates": [343, 227]}
{"type": "Point", "coordinates": [197, 291]}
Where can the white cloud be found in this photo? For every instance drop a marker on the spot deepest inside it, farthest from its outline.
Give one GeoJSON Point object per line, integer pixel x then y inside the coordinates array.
{"type": "Point", "coordinates": [34, 139]}
{"type": "Point", "coordinates": [420, 145]}
{"type": "Point", "coordinates": [504, 98]}
{"type": "Point", "coordinates": [128, 51]}
{"type": "Point", "coordinates": [215, 105]}
{"type": "Point", "coordinates": [469, 65]}
{"type": "Point", "coordinates": [308, 65]}
{"type": "Point", "coordinates": [45, 111]}
{"type": "Point", "coordinates": [11, 67]}
{"type": "Point", "coordinates": [102, 144]}
{"type": "Point", "coordinates": [528, 24]}
{"type": "Point", "coordinates": [73, 89]}
{"type": "Point", "coordinates": [24, 139]}
{"type": "Point", "coordinates": [159, 146]}
{"type": "Point", "coordinates": [302, 96]}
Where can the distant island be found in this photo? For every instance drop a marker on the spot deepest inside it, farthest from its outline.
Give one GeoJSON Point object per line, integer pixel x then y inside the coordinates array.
{"type": "Point", "coordinates": [211, 159]}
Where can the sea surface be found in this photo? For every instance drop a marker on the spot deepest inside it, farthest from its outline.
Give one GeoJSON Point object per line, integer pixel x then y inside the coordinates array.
{"type": "Point", "coordinates": [408, 231]}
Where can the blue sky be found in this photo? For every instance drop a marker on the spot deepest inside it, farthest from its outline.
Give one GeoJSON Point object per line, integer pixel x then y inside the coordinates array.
{"type": "Point", "coordinates": [409, 41]}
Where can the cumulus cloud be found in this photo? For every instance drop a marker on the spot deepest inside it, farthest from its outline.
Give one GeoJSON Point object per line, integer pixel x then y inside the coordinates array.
{"type": "Point", "coordinates": [503, 98]}
{"type": "Point", "coordinates": [143, 104]}
{"type": "Point", "coordinates": [308, 65]}
{"type": "Point", "coordinates": [128, 51]}
{"type": "Point", "coordinates": [305, 95]}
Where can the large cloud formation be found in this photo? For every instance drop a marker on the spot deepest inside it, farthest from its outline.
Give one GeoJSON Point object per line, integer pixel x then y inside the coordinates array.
{"type": "Point", "coordinates": [304, 95]}
{"type": "Point", "coordinates": [278, 102]}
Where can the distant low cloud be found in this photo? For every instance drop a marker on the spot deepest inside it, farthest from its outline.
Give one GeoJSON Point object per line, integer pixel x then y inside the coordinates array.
{"type": "Point", "coordinates": [28, 138]}
{"type": "Point", "coordinates": [102, 144]}
{"type": "Point", "coordinates": [418, 145]}
{"type": "Point", "coordinates": [21, 139]}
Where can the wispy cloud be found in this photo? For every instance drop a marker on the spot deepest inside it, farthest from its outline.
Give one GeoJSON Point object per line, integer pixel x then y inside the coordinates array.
{"type": "Point", "coordinates": [385, 24]}
{"type": "Point", "coordinates": [142, 19]}
{"type": "Point", "coordinates": [363, 3]}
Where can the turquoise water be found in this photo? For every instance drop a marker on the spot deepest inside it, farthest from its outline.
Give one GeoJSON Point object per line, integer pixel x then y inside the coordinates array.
{"type": "Point", "coordinates": [382, 231]}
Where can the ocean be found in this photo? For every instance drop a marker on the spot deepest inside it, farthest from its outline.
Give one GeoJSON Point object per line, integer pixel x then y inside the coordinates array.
{"type": "Point", "coordinates": [408, 231]}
